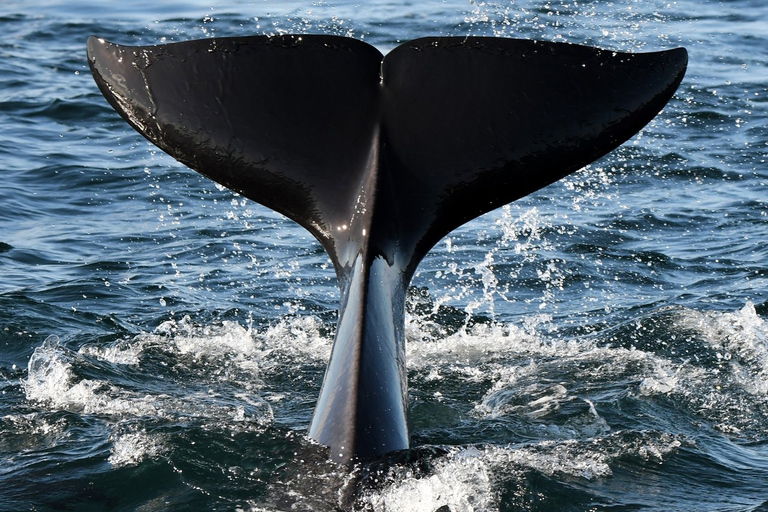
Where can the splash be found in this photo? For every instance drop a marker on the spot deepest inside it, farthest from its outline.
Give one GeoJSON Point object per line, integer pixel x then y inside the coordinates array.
{"type": "Point", "coordinates": [460, 481]}
{"type": "Point", "coordinates": [484, 277]}
{"type": "Point", "coordinates": [132, 448]}
{"type": "Point", "coordinates": [628, 25]}
{"type": "Point", "coordinates": [740, 342]}
{"type": "Point", "coordinates": [470, 478]}
{"type": "Point", "coordinates": [122, 352]}
{"type": "Point", "coordinates": [727, 382]}
{"type": "Point", "coordinates": [57, 378]}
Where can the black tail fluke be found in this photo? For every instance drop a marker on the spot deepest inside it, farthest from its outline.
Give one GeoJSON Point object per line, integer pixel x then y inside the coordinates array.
{"type": "Point", "coordinates": [379, 158]}
{"type": "Point", "coordinates": [289, 122]}
{"type": "Point", "coordinates": [484, 121]}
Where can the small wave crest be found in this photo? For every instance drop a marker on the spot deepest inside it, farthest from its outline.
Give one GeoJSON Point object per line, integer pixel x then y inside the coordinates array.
{"type": "Point", "coordinates": [139, 387]}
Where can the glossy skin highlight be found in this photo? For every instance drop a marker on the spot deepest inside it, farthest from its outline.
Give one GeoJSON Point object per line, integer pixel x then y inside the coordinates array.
{"type": "Point", "coordinates": [379, 157]}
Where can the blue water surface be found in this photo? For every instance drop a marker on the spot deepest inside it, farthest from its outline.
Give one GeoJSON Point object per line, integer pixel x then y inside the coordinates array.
{"type": "Point", "coordinates": [599, 345]}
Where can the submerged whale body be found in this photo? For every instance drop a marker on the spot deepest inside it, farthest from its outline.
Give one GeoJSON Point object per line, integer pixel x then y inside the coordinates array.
{"type": "Point", "coordinates": [379, 157]}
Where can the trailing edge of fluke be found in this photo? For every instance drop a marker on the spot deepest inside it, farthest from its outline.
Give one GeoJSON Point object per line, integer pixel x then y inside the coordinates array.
{"type": "Point", "coordinates": [379, 157]}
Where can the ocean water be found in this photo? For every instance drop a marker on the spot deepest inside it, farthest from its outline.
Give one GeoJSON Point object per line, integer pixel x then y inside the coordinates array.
{"type": "Point", "coordinates": [599, 345]}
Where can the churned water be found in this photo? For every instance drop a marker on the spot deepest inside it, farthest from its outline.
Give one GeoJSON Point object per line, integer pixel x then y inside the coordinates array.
{"type": "Point", "coordinates": [599, 345]}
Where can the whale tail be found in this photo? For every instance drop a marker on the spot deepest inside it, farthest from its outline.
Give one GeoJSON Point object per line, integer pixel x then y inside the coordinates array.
{"type": "Point", "coordinates": [379, 157]}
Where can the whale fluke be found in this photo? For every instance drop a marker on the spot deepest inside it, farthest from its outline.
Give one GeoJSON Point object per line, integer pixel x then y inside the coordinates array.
{"type": "Point", "coordinates": [379, 157]}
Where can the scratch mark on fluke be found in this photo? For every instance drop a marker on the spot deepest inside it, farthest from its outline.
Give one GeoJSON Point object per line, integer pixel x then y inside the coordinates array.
{"type": "Point", "coordinates": [380, 157]}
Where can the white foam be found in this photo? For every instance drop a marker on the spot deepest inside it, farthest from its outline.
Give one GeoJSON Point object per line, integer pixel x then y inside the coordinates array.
{"type": "Point", "coordinates": [129, 449]}
{"type": "Point", "coordinates": [299, 336]}
{"type": "Point", "coordinates": [481, 343]}
{"type": "Point", "coordinates": [186, 337]}
{"type": "Point", "coordinates": [664, 382]}
{"type": "Point", "coordinates": [123, 352]}
{"type": "Point", "coordinates": [465, 478]}
{"type": "Point", "coordinates": [52, 382]}
{"type": "Point", "coordinates": [570, 458]}
{"type": "Point", "coordinates": [587, 459]}
{"type": "Point", "coordinates": [238, 345]}
{"type": "Point", "coordinates": [293, 336]}
{"type": "Point", "coordinates": [34, 424]}
{"type": "Point", "coordinates": [460, 481]}
{"type": "Point", "coordinates": [48, 372]}
{"type": "Point", "coordinates": [741, 341]}
{"type": "Point", "coordinates": [513, 359]}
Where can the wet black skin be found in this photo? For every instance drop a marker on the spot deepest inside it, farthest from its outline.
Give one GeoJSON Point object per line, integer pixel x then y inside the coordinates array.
{"type": "Point", "coordinates": [379, 158]}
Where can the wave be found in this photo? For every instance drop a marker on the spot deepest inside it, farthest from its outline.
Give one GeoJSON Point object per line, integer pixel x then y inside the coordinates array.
{"type": "Point", "coordinates": [499, 404]}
